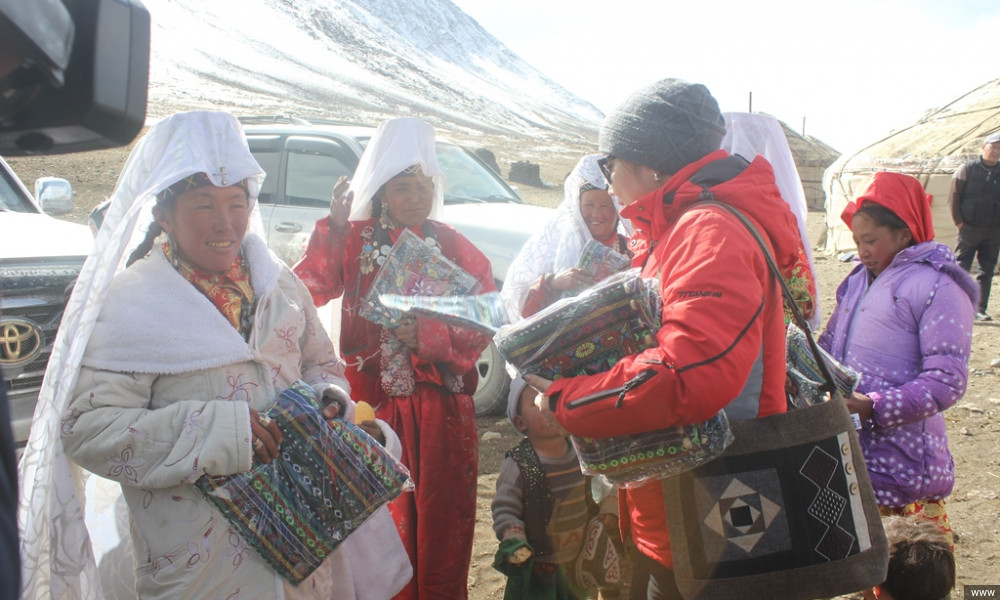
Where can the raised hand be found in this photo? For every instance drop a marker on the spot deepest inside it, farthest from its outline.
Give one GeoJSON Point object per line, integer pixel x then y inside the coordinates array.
{"type": "Point", "coordinates": [340, 203]}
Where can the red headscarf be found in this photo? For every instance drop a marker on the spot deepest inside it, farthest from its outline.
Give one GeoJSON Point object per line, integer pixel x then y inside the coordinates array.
{"type": "Point", "coordinates": [904, 196]}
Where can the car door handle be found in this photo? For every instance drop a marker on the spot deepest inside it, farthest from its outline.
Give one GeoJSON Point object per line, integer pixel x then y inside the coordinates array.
{"type": "Point", "coordinates": [287, 227]}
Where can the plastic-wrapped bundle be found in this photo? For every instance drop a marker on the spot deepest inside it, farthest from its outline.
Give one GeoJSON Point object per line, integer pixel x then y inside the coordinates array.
{"type": "Point", "coordinates": [329, 478]}
{"type": "Point", "coordinates": [629, 460]}
{"type": "Point", "coordinates": [482, 312]}
{"type": "Point", "coordinates": [588, 334]}
{"type": "Point", "coordinates": [601, 261]}
{"type": "Point", "coordinates": [413, 268]}
{"type": "Point", "coordinates": [805, 374]}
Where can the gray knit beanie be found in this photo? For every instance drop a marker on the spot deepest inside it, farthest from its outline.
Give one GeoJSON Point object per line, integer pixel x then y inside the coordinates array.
{"type": "Point", "coordinates": [665, 126]}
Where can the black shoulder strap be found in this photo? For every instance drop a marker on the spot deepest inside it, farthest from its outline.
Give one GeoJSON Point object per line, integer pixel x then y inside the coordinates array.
{"type": "Point", "coordinates": [800, 320]}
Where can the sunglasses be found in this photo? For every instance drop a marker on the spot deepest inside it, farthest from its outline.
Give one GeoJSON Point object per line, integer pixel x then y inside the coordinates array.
{"type": "Point", "coordinates": [604, 164]}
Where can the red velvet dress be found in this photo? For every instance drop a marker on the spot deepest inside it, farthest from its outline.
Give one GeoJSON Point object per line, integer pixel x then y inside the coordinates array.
{"type": "Point", "coordinates": [435, 423]}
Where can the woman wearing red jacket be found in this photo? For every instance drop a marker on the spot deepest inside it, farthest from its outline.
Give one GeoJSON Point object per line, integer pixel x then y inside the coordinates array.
{"type": "Point", "coordinates": [418, 376]}
{"type": "Point", "coordinates": [722, 339]}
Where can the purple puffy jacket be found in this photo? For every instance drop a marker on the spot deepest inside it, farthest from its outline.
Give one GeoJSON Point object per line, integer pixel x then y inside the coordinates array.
{"type": "Point", "coordinates": [909, 333]}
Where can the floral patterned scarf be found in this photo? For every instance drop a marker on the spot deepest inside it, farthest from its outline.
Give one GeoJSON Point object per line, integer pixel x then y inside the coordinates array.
{"type": "Point", "coordinates": [230, 291]}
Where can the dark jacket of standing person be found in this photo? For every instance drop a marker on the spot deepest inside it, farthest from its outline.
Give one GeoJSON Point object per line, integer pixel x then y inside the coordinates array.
{"type": "Point", "coordinates": [974, 201]}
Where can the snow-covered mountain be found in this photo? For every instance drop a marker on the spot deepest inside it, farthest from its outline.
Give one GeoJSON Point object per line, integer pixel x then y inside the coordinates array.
{"type": "Point", "coordinates": [356, 60]}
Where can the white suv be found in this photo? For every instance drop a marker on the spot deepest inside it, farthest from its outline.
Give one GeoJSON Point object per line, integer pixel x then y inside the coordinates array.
{"type": "Point", "coordinates": [40, 258]}
{"type": "Point", "coordinates": [303, 160]}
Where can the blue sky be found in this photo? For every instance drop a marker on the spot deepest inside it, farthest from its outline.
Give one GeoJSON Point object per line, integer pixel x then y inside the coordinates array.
{"type": "Point", "coordinates": [854, 70]}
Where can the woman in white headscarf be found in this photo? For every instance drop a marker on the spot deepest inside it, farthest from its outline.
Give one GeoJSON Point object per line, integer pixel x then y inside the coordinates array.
{"type": "Point", "coordinates": [546, 267]}
{"type": "Point", "coordinates": [162, 364]}
{"type": "Point", "coordinates": [420, 375]}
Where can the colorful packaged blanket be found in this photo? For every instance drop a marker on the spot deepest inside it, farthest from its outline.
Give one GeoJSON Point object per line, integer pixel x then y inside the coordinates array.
{"type": "Point", "coordinates": [482, 312]}
{"type": "Point", "coordinates": [588, 334]}
{"type": "Point", "coordinates": [413, 268]}
{"type": "Point", "coordinates": [329, 478]}
{"type": "Point", "coordinates": [805, 374]}
{"type": "Point", "coordinates": [601, 261]}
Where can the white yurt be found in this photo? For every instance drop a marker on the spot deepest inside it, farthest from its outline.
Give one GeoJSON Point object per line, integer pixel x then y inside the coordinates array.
{"type": "Point", "coordinates": [930, 150]}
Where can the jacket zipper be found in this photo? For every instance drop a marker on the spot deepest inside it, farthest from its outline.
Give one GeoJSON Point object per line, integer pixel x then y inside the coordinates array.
{"type": "Point", "coordinates": [620, 391]}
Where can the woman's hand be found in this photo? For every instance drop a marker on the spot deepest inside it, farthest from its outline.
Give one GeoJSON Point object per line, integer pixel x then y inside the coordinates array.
{"type": "Point", "coordinates": [266, 436]}
{"type": "Point", "coordinates": [861, 404]}
{"type": "Point", "coordinates": [571, 279]}
{"type": "Point", "coordinates": [407, 333]}
{"type": "Point", "coordinates": [340, 204]}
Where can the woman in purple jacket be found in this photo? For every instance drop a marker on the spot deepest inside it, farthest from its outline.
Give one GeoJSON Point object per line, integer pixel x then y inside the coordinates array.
{"type": "Point", "coordinates": [904, 320]}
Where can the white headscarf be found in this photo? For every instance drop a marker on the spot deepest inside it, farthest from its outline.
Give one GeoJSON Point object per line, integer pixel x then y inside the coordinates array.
{"type": "Point", "coordinates": [559, 244]}
{"type": "Point", "coordinates": [397, 145]}
{"type": "Point", "coordinates": [56, 556]}
{"type": "Point", "coordinates": [748, 135]}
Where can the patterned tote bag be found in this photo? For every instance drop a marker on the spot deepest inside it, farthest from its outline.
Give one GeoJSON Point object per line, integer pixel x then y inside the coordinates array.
{"type": "Point", "coordinates": [788, 506]}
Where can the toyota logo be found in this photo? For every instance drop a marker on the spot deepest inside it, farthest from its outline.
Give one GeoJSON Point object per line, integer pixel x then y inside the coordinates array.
{"type": "Point", "coordinates": [20, 341]}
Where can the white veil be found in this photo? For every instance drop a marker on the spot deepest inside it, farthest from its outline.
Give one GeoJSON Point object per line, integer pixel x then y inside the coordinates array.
{"type": "Point", "coordinates": [56, 546]}
{"type": "Point", "coordinates": [750, 134]}
{"type": "Point", "coordinates": [398, 144]}
{"type": "Point", "coordinates": [560, 242]}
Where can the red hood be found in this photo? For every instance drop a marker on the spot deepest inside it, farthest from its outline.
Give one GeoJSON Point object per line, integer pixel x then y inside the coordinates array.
{"type": "Point", "coordinates": [752, 192]}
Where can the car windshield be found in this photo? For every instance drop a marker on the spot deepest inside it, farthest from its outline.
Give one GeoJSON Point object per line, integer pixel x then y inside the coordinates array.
{"type": "Point", "coordinates": [466, 179]}
{"type": "Point", "coordinates": [11, 197]}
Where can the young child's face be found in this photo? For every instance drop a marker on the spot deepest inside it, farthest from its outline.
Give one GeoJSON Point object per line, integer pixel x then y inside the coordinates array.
{"type": "Point", "coordinates": [531, 422]}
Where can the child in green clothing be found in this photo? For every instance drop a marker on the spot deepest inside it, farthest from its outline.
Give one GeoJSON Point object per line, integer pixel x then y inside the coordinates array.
{"type": "Point", "coordinates": [550, 547]}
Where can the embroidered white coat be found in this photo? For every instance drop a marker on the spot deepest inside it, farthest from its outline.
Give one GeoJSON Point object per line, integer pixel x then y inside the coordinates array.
{"type": "Point", "coordinates": [163, 398]}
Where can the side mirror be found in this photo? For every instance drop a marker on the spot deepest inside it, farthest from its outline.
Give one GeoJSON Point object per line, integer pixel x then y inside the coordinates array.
{"type": "Point", "coordinates": [54, 195]}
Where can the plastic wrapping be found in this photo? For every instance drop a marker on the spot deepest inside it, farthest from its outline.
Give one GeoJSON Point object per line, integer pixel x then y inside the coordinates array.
{"type": "Point", "coordinates": [589, 334]}
{"type": "Point", "coordinates": [483, 312]}
{"type": "Point", "coordinates": [601, 261]}
{"type": "Point", "coordinates": [413, 268]}
{"type": "Point", "coordinates": [328, 479]}
{"type": "Point", "coordinates": [805, 375]}
{"type": "Point", "coordinates": [630, 460]}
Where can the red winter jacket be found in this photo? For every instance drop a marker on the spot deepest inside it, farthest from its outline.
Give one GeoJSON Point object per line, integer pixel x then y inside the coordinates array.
{"type": "Point", "coordinates": [722, 311]}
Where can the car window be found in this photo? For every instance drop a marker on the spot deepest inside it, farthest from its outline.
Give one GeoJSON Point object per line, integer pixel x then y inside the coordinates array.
{"type": "Point", "coordinates": [311, 178]}
{"type": "Point", "coordinates": [11, 197]}
{"type": "Point", "coordinates": [466, 179]}
{"type": "Point", "coordinates": [266, 151]}
{"type": "Point", "coordinates": [270, 161]}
